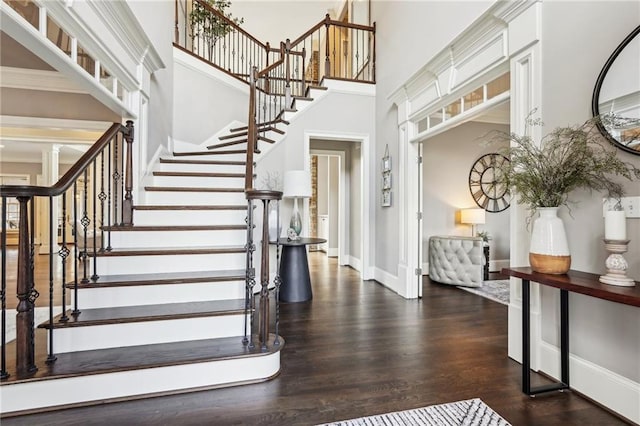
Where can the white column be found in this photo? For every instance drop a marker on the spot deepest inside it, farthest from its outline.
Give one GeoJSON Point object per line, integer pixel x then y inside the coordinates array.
{"type": "Point", "coordinates": [50, 175]}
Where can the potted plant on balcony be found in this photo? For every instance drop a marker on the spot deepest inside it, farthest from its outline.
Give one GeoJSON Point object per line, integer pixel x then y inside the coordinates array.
{"type": "Point", "coordinates": [210, 26]}
{"type": "Point", "coordinates": [544, 174]}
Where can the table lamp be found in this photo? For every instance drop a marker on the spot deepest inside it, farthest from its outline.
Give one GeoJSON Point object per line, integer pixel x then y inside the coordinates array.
{"type": "Point", "coordinates": [297, 184]}
{"type": "Point", "coordinates": [473, 217]}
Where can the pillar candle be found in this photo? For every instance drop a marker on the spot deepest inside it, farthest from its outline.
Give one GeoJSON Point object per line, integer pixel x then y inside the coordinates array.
{"type": "Point", "coordinates": [615, 226]}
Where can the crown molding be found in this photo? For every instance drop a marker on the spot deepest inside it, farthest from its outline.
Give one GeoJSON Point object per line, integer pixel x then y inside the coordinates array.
{"type": "Point", "coordinates": [489, 31]}
{"type": "Point", "coordinates": [124, 25]}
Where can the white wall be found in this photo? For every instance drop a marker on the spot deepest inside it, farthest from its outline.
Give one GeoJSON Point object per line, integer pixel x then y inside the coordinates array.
{"type": "Point", "coordinates": [447, 159]}
{"type": "Point", "coordinates": [279, 25]}
{"type": "Point", "coordinates": [604, 333]}
{"type": "Point", "coordinates": [204, 104]}
{"type": "Point", "coordinates": [409, 33]}
{"type": "Point", "coordinates": [157, 19]}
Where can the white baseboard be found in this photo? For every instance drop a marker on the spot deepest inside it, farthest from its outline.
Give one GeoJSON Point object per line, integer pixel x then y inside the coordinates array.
{"type": "Point", "coordinates": [333, 252]}
{"type": "Point", "coordinates": [386, 279]}
{"type": "Point", "coordinates": [612, 390]}
{"type": "Point", "coordinates": [355, 263]}
{"type": "Point", "coordinates": [497, 265]}
{"type": "Point", "coordinates": [425, 268]}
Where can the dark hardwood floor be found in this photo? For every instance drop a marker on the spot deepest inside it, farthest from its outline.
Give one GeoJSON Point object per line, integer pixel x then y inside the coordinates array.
{"type": "Point", "coordinates": [358, 349]}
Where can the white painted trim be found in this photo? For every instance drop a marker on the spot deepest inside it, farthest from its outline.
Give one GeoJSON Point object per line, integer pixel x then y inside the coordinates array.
{"type": "Point", "coordinates": [344, 247]}
{"type": "Point", "coordinates": [367, 271]}
{"type": "Point", "coordinates": [119, 18]}
{"type": "Point", "coordinates": [608, 388]}
{"type": "Point", "coordinates": [354, 262]}
{"type": "Point", "coordinates": [14, 25]}
{"type": "Point", "coordinates": [497, 265]}
{"type": "Point", "coordinates": [27, 79]}
{"type": "Point", "coordinates": [425, 269]}
{"type": "Point", "coordinates": [99, 387]}
{"type": "Point", "coordinates": [514, 347]}
{"type": "Point", "coordinates": [53, 123]}
{"type": "Point", "coordinates": [392, 282]}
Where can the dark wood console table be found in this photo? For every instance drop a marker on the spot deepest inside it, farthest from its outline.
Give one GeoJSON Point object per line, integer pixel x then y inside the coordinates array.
{"type": "Point", "coordinates": [573, 281]}
{"type": "Point", "coordinates": [294, 269]}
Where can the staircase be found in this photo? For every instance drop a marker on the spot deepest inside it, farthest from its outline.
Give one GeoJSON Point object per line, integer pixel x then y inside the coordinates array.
{"type": "Point", "coordinates": [167, 313]}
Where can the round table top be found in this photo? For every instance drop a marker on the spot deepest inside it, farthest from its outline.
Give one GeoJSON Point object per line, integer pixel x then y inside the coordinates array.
{"type": "Point", "coordinates": [303, 241]}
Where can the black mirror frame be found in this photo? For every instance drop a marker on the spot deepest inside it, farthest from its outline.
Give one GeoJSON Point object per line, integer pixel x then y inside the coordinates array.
{"type": "Point", "coordinates": [595, 110]}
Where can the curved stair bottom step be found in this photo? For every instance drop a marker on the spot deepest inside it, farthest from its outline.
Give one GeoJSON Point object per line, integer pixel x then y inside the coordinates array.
{"type": "Point", "coordinates": [126, 384]}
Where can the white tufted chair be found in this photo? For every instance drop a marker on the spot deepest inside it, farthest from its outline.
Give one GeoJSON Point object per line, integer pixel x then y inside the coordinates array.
{"type": "Point", "coordinates": [456, 260]}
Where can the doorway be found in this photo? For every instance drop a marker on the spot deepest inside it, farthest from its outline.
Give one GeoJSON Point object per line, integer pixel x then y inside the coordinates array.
{"type": "Point", "coordinates": [338, 197]}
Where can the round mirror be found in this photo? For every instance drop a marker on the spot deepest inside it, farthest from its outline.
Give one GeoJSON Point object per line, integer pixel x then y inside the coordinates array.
{"type": "Point", "coordinates": [617, 95]}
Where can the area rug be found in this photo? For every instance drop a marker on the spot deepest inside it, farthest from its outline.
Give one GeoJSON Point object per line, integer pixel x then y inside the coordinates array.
{"type": "Point", "coordinates": [471, 412]}
{"type": "Point", "coordinates": [496, 290]}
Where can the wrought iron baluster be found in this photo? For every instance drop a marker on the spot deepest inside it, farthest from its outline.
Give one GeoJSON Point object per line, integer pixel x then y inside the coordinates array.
{"type": "Point", "coordinates": [85, 225]}
{"type": "Point", "coordinates": [76, 251]}
{"type": "Point", "coordinates": [122, 178]}
{"type": "Point", "coordinates": [50, 357]}
{"type": "Point", "coordinates": [63, 253]}
{"type": "Point", "coordinates": [277, 280]}
{"type": "Point", "coordinates": [109, 174]}
{"type": "Point", "coordinates": [102, 197]}
{"type": "Point", "coordinates": [250, 281]}
{"type": "Point", "coordinates": [94, 203]}
{"type": "Point", "coordinates": [116, 178]}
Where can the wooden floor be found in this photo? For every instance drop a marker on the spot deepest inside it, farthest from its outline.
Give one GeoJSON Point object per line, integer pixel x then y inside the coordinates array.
{"type": "Point", "coordinates": [358, 349]}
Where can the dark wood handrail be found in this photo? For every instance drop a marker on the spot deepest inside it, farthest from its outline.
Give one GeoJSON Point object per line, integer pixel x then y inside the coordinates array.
{"type": "Point", "coordinates": [65, 182]}
{"type": "Point", "coordinates": [329, 21]}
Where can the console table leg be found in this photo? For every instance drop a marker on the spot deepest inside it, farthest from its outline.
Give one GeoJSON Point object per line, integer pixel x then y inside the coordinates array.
{"type": "Point", "coordinates": [526, 335]}
{"type": "Point", "coordinates": [564, 336]}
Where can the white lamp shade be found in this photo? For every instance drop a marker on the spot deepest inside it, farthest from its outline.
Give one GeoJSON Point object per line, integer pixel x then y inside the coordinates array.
{"type": "Point", "coordinates": [297, 183]}
{"type": "Point", "coordinates": [472, 216]}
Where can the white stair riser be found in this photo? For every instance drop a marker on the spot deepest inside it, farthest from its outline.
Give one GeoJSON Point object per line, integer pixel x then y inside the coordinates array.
{"type": "Point", "coordinates": [209, 168]}
{"type": "Point", "coordinates": [72, 339]}
{"type": "Point", "coordinates": [199, 182]}
{"type": "Point", "coordinates": [189, 217]}
{"type": "Point", "coordinates": [99, 387]}
{"type": "Point", "coordinates": [216, 157]}
{"type": "Point", "coordinates": [117, 265]}
{"type": "Point", "coordinates": [108, 297]}
{"type": "Point", "coordinates": [174, 198]}
{"type": "Point", "coordinates": [131, 239]}
{"type": "Point", "coordinates": [302, 104]}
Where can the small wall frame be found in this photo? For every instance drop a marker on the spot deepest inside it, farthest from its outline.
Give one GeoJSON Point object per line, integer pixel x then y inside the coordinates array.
{"type": "Point", "coordinates": [386, 178]}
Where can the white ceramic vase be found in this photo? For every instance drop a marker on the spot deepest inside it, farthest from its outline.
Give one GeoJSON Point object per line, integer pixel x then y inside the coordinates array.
{"type": "Point", "coordinates": [549, 250]}
{"type": "Point", "coordinates": [273, 223]}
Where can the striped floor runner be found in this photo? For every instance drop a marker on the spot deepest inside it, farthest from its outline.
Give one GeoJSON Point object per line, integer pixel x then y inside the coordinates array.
{"type": "Point", "coordinates": [462, 413]}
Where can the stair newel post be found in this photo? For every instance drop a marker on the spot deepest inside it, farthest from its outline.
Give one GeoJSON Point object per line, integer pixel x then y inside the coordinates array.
{"type": "Point", "coordinates": [25, 342]}
{"type": "Point", "coordinates": [63, 253]}
{"type": "Point", "coordinates": [327, 53]}
{"type": "Point", "coordinates": [287, 77]}
{"type": "Point", "coordinates": [127, 204]}
{"type": "Point", "coordinates": [263, 325]}
{"type": "Point", "coordinates": [176, 33]}
{"type": "Point", "coordinates": [3, 293]}
{"type": "Point", "coordinates": [50, 357]}
{"type": "Point", "coordinates": [277, 281]}
{"type": "Point", "coordinates": [250, 278]}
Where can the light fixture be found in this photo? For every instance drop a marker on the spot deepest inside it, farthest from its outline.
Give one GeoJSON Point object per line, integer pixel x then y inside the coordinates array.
{"type": "Point", "coordinates": [297, 184]}
{"type": "Point", "coordinates": [472, 217]}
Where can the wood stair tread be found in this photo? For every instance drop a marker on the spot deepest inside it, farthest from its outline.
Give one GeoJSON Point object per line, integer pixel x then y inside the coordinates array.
{"type": "Point", "coordinates": [134, 228]}
{"type": "Point", "coordinates": [133, 358]}
{"type": "Point", "coordinates": [225, 144]}
{"type": "Point", "coordinates": [162, 278]}
{"type": "Point", "coordinates": [165, 251]}
{"type": "Point", "coordinates": [191, 189]}
{"type": "Point", "coordinates": [205, 162]}
{"type": "Point", "coordinates": [196, 207]}
{"type": "Point", "coordinates": [200, 174]}
{"type": "Point", "coordinates": [142, 313]}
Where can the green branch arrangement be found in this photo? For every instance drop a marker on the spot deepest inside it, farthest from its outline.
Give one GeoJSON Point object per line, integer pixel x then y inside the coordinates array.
{"type": "Point", "coordinates": [569, 158]}
{"type": "Point", "coordinates": [208, 25]}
